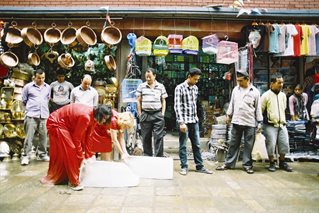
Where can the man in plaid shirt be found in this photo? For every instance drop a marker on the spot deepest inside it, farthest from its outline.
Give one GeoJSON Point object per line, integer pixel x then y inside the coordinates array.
{"type": "Point", "coordinates": [186, 95]}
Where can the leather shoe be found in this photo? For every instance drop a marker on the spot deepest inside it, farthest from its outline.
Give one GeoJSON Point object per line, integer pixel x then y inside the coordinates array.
{"type": "Point", "coordinates": [249, 170]}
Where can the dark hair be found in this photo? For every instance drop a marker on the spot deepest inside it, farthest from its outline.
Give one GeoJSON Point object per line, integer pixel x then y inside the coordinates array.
{"type": "Point", "coordinates": [60, 71]}
{"type": "Point", "coordinates": [275, 76]}
{"type": "Point", "coordinates": [298, 86]}
{"type": "Point", "coordinates": [152, 70]}
{"type": "Point", "coordinates": [102, 111]}
{"type": "Point", "coordinates": [194, 71]}
{"type": "Point", "coordinates": [38, 71]}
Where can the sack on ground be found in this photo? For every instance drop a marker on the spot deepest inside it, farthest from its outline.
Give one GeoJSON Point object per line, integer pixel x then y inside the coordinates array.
{"type": "Point", "coordinates": [259, 151]}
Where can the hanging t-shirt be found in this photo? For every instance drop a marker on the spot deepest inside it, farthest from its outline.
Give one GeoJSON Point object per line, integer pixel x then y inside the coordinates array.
{"type": "Point", "coordinates": [317, 43]}
{"type": "Point", "coordinates": [274, 39]}
{"type": "Point", "coordinates": [312, 39]}
{"type": "Point", "coordinates": [297, 40]}
{"type": "Point", "coordinates": [282, 38]}
{"type": "Point", "coordinates": [304, 49]}
{"type": "Point", "coordinates": [255, 35]}
{"type": "Point", "coordinates": [290, 33]}
{"type": "Point", "coordinates": [269, 28]}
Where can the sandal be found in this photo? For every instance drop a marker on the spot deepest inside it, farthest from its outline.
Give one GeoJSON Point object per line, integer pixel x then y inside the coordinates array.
{"type": "Point", "coordinates": [222, 168]}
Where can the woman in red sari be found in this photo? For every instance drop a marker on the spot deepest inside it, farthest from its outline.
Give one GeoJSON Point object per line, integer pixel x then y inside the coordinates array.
{"type": "Point", "coordinates": [104, 136]}
{"type": "Point", "coordinates": [69, 130]}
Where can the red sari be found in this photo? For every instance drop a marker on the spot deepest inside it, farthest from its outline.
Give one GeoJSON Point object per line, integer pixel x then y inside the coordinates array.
{"type": "Point", "coordinates": [69, 129]}
{"type": "Point", "coordinates": [100, 140]}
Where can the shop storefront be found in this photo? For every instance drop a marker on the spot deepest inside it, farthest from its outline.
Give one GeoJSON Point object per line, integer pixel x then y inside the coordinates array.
{"type": "Point", "coordinates": [101, 48]}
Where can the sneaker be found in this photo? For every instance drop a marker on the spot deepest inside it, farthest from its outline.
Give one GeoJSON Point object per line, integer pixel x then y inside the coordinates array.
{"type": "Point", "coordinates": [45, 158]}
{"type": "Point", "coordinates": [204, 170]}
{"type": "Point", "coordinates": [76, 188]}
{"type": "Point", "coordinates": [183, 171]}
{"type": "Point", "coordinates": [272, 167]}
{"type": "Point", "coordinates": [285, 166]}
{"type": "Point", "coordinates": [24, 160]}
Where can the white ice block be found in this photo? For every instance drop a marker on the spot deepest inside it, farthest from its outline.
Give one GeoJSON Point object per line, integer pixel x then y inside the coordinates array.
{"type": "Point", "coordinates": [108, 174]}
{"type": "Point", "coordinates": [151, 167]}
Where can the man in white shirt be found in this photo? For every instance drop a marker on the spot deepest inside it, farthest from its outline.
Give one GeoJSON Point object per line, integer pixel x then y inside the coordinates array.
{"type": "Point", "coordinates": [244, 113]}
{"type": "Point", "coordinates": [84, 93]}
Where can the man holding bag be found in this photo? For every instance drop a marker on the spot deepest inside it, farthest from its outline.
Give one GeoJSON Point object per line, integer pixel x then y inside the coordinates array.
{"type": "Point", "coordinates": [244, 112]}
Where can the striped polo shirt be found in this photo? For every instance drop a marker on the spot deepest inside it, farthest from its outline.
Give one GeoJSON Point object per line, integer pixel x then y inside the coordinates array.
{"type": "Point", "coordinates": [151, 98]}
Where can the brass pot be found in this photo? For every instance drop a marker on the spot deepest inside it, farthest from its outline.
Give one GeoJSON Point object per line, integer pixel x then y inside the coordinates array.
{"type": "Point", "coordinates": [13, 36]}
{"type": "Point", "coordinates": [9, 59]}
{"type": "Point", "coordinates": [19, 74]}
{"type": "Point", "coordinates": [66, 61]}
{"type": "Point", "coordinates": [86, 36]}
{"type": "Point", "coordinates": [33, 59]}
{"type": "Point", "coordinates": [32, 36]}
{"type": "Point", "coordinates": [68, 36]}
{"type": "Point", "coordinates": [52, 35]}
{"type": "Point", "coordinates": [110, 62]}
{"type": "Point", "coordinates": [111, 35]}
{"type": "Point", "coordinates": [51, 56]}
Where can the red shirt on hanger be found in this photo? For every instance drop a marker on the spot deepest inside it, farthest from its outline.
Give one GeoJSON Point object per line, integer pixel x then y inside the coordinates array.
{"type": "Point", "coordinates": [297, 40]}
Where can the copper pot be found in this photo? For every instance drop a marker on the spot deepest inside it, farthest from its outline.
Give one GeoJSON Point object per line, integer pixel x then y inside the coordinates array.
{"type": "Point", "coordinates": [9, 59]}
{"type": "Point", "coordinates": [13, 37]}
{"type": "Point", "coordinates": [86, 36]}
{"type": "Point", "coordinates": [68, 36]}
{"type": "Point", "coordinates": [32, 36]}
{"type": "Point", "coordinates": [111, 35]}
{"type": "Point", "coordinates": [66, 61]}
{"type": "Point", "coordinates": [51, 56]}
{"type": "Point", "coordinates": [33, 59]}
{"type": "Point", "coordinates": [110, 62]}
{"type": "Point", "coordinates": [52, 35]}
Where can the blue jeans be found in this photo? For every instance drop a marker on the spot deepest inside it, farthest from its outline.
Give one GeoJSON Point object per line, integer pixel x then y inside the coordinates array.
{"type": "Point", "coordinates": [192, 133]}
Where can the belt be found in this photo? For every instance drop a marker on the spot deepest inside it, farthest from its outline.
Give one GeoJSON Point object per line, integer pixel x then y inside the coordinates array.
{"type": "Point", "coordinates": [152, 112]}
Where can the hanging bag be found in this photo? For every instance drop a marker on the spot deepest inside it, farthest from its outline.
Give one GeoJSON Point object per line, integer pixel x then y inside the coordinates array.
{"type": "Point", "coordinates": [259, 151]}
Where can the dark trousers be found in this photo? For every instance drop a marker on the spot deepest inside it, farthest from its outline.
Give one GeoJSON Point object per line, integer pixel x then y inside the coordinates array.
{"type": "Point", "coordinates": [152, 124]}
{"type": "Point", "coordinates": [237, 131]}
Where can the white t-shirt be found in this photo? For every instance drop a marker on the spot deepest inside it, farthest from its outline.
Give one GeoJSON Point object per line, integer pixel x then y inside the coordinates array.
{"type": "Point", "coordinates": [312, 40]}
{"type": "Point", "coordinates": [290, 33]}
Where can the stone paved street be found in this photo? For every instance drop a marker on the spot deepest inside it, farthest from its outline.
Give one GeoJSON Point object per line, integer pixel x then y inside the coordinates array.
{"type": "Point", "coordinates": [223, 191]}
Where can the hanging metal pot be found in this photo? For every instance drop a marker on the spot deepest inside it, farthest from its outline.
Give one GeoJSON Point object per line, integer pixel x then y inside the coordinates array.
{"type": "Point", "coordinates": [13, 36]}
{"type": "Point", "coordinates": [110, 62]}
{"type": "Point", "coordinates": [111, 35]}
{"type": "Point", "coordinates": [66, 61]}
{"type": "Point", "coordinates": [51, 55]}
{"type": "Point", "coordinates": [32, 36]}
{"type": "Point", "coordinates": [86, 36]}
{"type": "Point", "coordinates": [68, 36]}
{"type": "Point", "coordinates": [52, 35]}
{"type": "Point", "coordinates": [9, 59]}
{"type": "Point", "coordinates": [33, 59]}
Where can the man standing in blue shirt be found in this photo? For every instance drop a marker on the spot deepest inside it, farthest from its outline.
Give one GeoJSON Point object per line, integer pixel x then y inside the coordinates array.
{"type": "Point", "coordinates": [36, 96]}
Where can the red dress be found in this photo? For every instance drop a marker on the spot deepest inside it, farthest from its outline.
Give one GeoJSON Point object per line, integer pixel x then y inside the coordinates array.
{"type": "Point", "coordinates": [69, 129]}
{"type": "Point", "coordinates": [100, 140]}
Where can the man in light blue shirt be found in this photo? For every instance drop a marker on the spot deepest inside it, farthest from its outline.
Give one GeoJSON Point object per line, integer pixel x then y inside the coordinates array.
{"type": "Point", "coordinates": [36, 96]}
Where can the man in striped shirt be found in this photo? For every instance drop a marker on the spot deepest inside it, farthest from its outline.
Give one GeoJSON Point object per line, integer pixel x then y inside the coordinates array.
{"type": "Point", "coordinates": [151, 106]}
{"type": "Point", "coordinates": [186, 95]}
